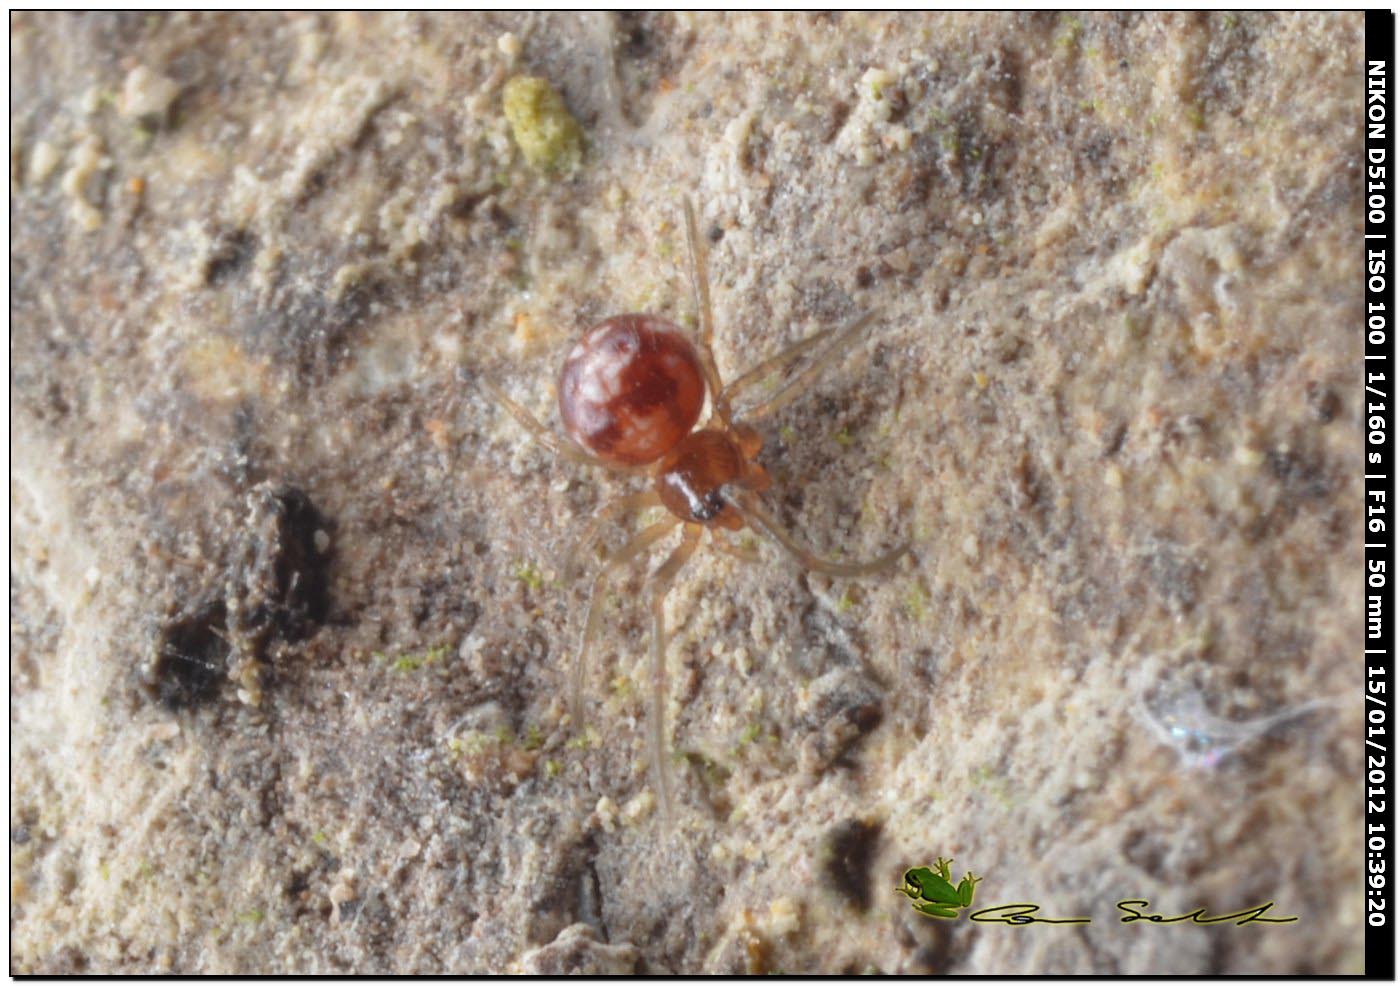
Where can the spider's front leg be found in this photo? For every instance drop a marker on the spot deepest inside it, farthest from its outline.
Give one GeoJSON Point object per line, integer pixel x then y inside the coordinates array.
{"type": "Point", "coordinates": [661, 584]}
{"type": "Point", "coordinates": [758, 517]}
{"type": "Point", "coordinates": [621, 556]}
{"type": "Point", "coordinates": [635, 501]}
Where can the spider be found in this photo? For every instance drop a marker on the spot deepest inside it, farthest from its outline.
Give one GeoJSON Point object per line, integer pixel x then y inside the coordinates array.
{"type": "Point", "coordinates": [630, 394]}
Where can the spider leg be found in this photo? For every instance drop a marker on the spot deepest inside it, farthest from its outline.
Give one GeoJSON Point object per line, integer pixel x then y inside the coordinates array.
{"type": "Point", "coordinates": [743, 552]}
{"type": "Point", "coordinates": [547, 438]}
{"type": "Point", "coordinates": [761, 371]}
{"type": "Point", "coordinates": [635, 501]}
{"type": "Point", "coordinates": [764, 522]}
{"type": "Point", "coordinates": [621, 556]}
{"type": "Point", "coordinates": [700, 284]}
{"type": "Point", "coordinates": [662, 579]}
{"type": "Point", "coordinates": [845, 340]}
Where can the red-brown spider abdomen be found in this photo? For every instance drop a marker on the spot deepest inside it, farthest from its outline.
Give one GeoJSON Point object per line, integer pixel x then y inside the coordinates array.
{"type": "Point", "coordinates": [631, 389]}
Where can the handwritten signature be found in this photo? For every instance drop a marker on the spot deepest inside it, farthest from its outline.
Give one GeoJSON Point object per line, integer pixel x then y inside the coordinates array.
{"type": "Point", "coordinates": [933, 893]}
{"type": "Point", "coordinates": [1133, 912]}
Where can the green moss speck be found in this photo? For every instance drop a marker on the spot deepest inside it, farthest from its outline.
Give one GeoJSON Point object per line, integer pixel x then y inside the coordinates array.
{"type": "Point", "coordinates": [544, 130]}
{"type": "Point", "coordinates": [916, 602]}
{"type": "Point", "coordinates": [530, 575]}
{"type": "Point", "coordinates": [1069, 37]}
{"type": "Point", "coordinates": [993, 784]}
{"type": "Point", "coordinates": [412, 662]}
{"type": "Point", "coordinates": [588, 739]}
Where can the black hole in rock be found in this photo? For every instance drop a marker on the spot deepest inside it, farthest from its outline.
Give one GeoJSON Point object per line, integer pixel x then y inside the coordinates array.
{"type": "Point", "coordinates": [191, 657]}
{"type": "Point", "coordinates": [850, 850]}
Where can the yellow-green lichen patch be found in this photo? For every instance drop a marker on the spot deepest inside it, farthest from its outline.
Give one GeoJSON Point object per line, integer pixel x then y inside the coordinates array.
{"type": "Point", "coordinates": [916, 602]}
{"type": "Point", "coordinates": [412, 662]}
{"type": "Point", "coordinates": [544, 130]}
{"type": "Point", "coordinates": [588, 740]}
{"type": "Point", "coordinates": [622, 686]}
{"type": "Point", "coordinates": [994, 784]}
{"type": "Point", "coordinates": [530, 575]}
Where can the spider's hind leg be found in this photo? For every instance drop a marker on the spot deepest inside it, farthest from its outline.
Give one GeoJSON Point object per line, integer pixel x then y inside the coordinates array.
{"type": "Point", "coordinates": [559, 446]}
{"type": "Point", "coordinates": [538, 431]}
{"type": "Point", "coordinates": [843, 342]}
{"type": "Point", "coordinates": [700, 285]}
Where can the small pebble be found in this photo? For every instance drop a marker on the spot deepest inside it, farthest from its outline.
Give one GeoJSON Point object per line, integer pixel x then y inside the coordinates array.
{"type": "Point", "coordinates": [639, 807]}
{"type": "Point", "coordinates": [42, 162]}
{"type": "Point", "coordinates": [146, 94]}
{"type": "Point", "coordinates": [606, 811]}
{"type": "Point", "coordinates": [783, 916]}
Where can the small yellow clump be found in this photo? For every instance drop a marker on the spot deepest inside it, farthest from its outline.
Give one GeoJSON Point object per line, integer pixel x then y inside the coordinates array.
{"type": "Point", "coordinates": [544, 130]}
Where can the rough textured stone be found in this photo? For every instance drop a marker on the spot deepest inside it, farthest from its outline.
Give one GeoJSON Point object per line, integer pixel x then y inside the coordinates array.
{"type": "Point", "coordinates": [1109, 395]}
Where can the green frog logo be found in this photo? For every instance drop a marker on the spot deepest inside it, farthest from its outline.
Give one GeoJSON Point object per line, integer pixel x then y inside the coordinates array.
{"type": "Point", "coordinates": [933, 892]}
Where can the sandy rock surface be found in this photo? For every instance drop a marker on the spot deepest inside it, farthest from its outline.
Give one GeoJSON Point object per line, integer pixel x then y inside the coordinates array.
{"type": "Point", "coordinates": [290, 645]}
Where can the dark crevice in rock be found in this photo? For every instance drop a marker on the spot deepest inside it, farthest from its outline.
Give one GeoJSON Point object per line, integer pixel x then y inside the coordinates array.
{"type": "Point", "coordinates": [192, 653]}
{"type": "Point", "coordinates": [847, 858]}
